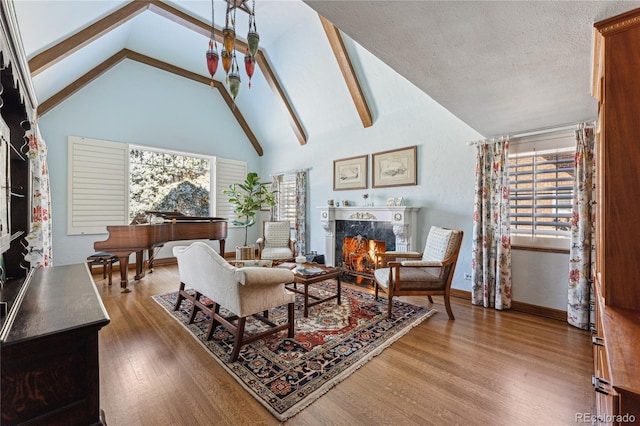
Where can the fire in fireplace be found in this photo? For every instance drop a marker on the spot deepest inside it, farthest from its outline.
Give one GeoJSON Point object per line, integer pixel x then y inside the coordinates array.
{"type": "Point", "coordinates": [359, 255]}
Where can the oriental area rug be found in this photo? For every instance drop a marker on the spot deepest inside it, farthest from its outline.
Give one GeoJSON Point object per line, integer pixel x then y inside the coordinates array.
{"type": "Point", "coordinates": [286, 375]}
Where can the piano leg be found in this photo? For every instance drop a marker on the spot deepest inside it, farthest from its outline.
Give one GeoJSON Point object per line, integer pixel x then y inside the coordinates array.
{"type": "Point", "coordinates": [124, 275]}
{"type": "Point", "coordinates": [139, 268]}
{"type": "Point", "coordinates": [151, 255]}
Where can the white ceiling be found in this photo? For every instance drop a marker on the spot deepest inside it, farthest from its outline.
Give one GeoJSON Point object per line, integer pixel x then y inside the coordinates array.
{"type": "Point", "coordinates": [501, 67]}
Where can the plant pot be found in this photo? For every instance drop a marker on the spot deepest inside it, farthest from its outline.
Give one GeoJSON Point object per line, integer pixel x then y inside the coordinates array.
{"type": "Point", "coordinates": [245, 253]}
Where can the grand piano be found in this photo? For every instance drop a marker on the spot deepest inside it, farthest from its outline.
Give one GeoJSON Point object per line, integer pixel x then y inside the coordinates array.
{"type": "Point", "coordinates": [126, 239]}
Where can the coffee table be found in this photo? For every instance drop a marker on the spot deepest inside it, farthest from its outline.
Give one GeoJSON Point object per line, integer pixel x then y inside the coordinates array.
{"type": "Point", "coordinates": [311, 273]}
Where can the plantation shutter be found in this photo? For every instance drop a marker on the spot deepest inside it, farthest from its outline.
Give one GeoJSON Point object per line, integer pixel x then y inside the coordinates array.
{"type": "Point", "coordinates": [227, 172]}
{"type": "Point", "coordinates": [286, 199]}
{"type": "Point", "coordinates": [541, 193]}
{"type": "Point", "coordinates": [98, 185]}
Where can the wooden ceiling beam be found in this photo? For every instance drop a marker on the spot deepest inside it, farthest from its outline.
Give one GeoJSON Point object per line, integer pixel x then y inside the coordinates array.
{"type": "Point", "coordinates": [71, 44]}
{"type": "Point", "coordinates": [138, 57]}
{"type": "Point", "coordinates": [348, 72]}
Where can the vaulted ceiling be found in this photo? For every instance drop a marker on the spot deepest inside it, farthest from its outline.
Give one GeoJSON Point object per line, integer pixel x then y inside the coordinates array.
{"type": "Point", "coordinates": [502, 67]}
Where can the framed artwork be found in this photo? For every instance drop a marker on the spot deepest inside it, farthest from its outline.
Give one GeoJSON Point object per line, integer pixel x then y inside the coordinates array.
{"type": "Point", "coordinates": [350, 173]}
{"type": "Point", "coordinates": [397, 167]}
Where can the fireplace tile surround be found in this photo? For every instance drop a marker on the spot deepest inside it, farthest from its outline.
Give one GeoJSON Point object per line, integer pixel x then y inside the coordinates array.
{"type": "Point", "coordinates": [403, 220]}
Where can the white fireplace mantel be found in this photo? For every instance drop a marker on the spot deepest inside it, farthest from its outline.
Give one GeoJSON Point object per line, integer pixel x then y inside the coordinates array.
{"type": "Point", "coordinates": [402, 218]}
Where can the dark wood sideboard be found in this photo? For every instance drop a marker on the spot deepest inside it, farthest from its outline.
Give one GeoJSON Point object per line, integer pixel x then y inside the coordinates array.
{"type": "Point", "coordinates": [49, 350]}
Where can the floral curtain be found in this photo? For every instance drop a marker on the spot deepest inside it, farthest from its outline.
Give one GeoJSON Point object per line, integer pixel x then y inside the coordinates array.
{"type": "Point", "coordinates": [38, 249]}
{"type": "Point", "coordinates": [491, 238]}
{"type": "Point", "coordinates": [580, 305]}
{"type": "Point", "coordinates": [301, 211]}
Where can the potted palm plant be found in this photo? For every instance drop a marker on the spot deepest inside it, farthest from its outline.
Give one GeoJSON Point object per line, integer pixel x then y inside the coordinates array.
{"type": "Point", "coordinates": [247, 198]}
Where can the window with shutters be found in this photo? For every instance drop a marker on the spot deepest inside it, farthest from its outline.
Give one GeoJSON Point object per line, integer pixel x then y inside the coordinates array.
{"type": "Point", "coordinates": [109, 182]}
{"type": "Point", "coordinates": [286, 199]}
{"type": "Point", "coordinates": [541, 196]}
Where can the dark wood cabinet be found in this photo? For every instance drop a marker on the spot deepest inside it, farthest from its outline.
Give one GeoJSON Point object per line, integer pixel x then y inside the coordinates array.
{"type": "Point", "coordinates": [49, 350]}
{"type": "Point", "coordinates": [616, 86]}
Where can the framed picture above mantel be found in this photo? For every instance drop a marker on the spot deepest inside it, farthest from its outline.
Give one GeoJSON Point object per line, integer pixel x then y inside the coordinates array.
{"type": "Point", "coordinates": [350, 173]}
{"type": "Point", "coordinates": [397, 167]}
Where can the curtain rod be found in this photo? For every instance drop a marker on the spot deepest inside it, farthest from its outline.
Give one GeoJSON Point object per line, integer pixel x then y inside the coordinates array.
{"type": "Point", "coordinates": [290, 171]}
{"type": "Point", "coordinates": [532, 132]}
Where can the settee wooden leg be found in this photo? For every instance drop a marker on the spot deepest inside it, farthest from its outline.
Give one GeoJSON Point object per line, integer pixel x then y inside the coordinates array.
{"type": "Point", "coordinates": [238, 340]}
{"type": "Point", "coordinates": [180, 297]}
{"type": "Point", "coordinates": [390, 306]}
{"type": "Point", "coordinates": [430, 299]}
{"type": "Point", "coordinates": [215, 311]}
{"type": "Point", "coordinates": [195, 309]}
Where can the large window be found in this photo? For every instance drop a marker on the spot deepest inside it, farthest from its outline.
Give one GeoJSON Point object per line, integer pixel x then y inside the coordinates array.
{"type": "Point", "coordinates": [541, 196]}
{"type": "Point", "coordinates": [110, 183]}
{"type": "Point", "coordinates": [168, 181]}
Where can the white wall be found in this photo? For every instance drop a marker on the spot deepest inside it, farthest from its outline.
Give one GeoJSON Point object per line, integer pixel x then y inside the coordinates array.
{"type": "Point", "coordinates": [141, 105]}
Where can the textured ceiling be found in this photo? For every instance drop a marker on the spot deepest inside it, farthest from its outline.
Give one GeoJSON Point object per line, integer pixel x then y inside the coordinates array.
{"type": "Point", "coordinates": [500, 66]}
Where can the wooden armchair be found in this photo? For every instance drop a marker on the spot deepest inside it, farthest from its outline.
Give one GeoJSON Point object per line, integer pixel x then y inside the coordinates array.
{"type": "Point", "coordinates": [428, 273]}
{"type": "Point", "coordinates": [242, 291]}
{"type": "Point", "coordinates": [276, 242]}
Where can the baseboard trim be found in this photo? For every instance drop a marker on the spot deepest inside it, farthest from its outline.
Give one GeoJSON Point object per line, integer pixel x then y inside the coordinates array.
{"type": "Point", "coordinates": [527, 308]}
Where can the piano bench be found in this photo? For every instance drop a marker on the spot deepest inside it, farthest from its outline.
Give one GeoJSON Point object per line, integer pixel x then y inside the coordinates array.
{"type": "Point", "coordinates": [106, 260]}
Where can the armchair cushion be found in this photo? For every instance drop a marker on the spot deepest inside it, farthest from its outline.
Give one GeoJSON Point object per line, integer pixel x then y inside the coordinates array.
{"type": "Point", "coordinates": [423, 263]}
{"type": "Point", "coordinates": [440, 244]}
{"type": "Point", "coordinates": [276, 234]}
{"type": "Point", "coordinates": [276, 253]}
{"type": "Point", "coordinates": [410, 278]}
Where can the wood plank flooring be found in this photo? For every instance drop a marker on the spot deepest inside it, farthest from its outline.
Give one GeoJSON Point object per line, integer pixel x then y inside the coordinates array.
{"type": "Point", "coordinates": [484, 368]}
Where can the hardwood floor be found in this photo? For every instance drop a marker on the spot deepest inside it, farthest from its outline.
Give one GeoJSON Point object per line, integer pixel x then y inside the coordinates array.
{"type": "Point", "coordinates": [484, 368]}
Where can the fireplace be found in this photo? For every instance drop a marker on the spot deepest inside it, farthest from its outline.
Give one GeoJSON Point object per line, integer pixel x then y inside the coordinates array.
{"type": "Point", "coordinates": [395, 225]}
{"type": "Point", "coordinates": [359, 255]}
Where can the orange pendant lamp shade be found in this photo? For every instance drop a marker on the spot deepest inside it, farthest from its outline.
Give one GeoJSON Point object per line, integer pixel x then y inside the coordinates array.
{"type": "Point", "coordinates": [226, 60]}
{"type": "Point", "coordinates": [229, 38]}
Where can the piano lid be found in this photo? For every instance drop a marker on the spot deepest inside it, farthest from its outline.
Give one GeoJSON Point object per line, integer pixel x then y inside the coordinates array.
{"type": "Point", "coordinates": [181, 217]}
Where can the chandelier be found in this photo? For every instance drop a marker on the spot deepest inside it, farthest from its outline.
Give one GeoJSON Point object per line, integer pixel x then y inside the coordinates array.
{"type": "Point", "coordinates": [229, 62]}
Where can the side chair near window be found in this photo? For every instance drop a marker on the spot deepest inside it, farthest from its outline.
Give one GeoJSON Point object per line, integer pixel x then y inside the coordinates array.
{"type": "Point", "coordinates": [242, 291]}
{"type": "Point", "coordinates": [276, 242]}
{"type": "Point", "coordinates": [428, 273]}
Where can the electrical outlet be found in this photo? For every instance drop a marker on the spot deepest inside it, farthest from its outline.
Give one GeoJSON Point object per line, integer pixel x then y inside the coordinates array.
{"type": "Point", "coordinates": [467, 277]}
